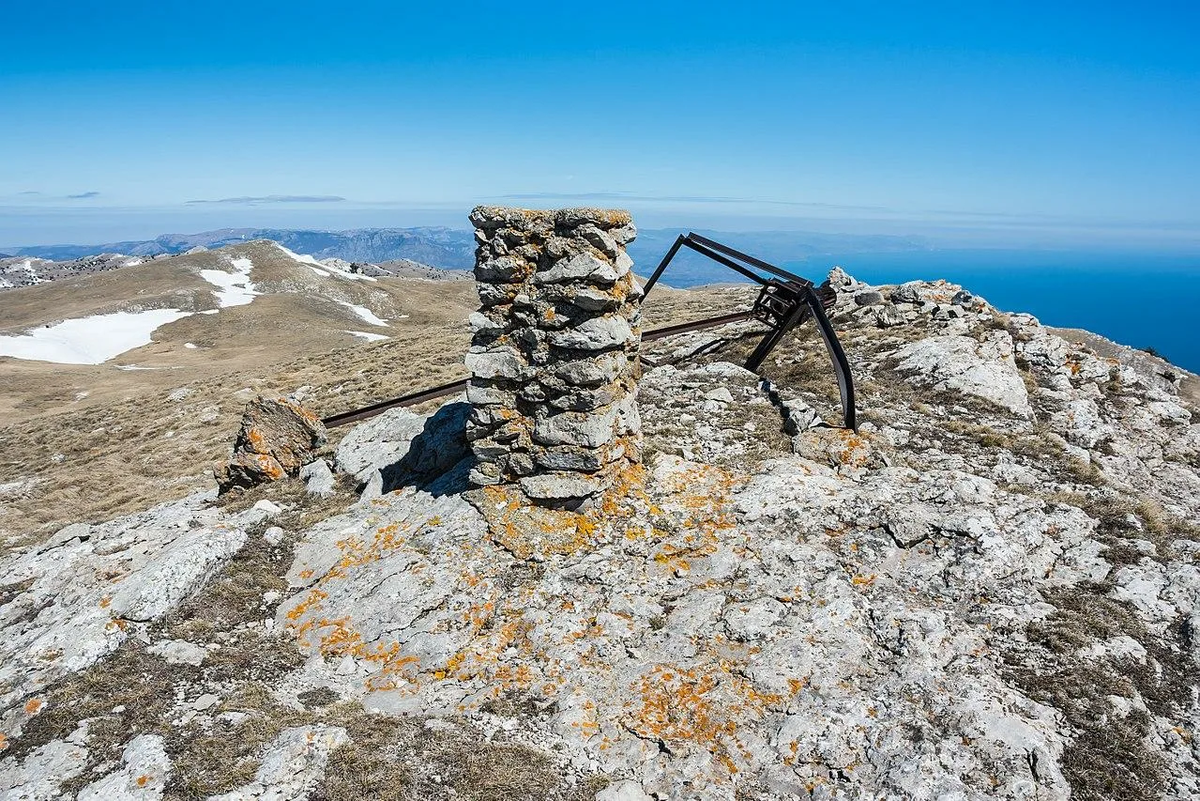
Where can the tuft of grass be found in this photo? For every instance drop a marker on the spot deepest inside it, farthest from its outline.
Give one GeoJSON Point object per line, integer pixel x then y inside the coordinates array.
{"type": "Point", "coordinates": [1108, 757]}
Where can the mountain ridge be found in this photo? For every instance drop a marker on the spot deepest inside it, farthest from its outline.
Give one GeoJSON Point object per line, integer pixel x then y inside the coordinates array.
{"type": "Point", "coordinates": [452, 248]}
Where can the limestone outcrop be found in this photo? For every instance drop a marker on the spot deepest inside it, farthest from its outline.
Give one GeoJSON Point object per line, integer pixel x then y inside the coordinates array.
{"type": "Point", "coordinates": [554, 359]}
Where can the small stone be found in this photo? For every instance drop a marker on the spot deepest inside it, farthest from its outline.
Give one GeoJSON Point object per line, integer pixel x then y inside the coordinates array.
{"type": "Point", "coordinates": [206, 701]}
{"type": "Point", "coordinates": [590, 430]}
{"type": "Point", "coordinates": [869, 298]}
{"type": "Point", "coordinates": [179, 652]}
{"type": "Point", "coordinates": [482, 324]}
{"type": "Point", "coordinates": [561, 486]}
{"type": "Point", "coordinates": [273, 535]}
{"type": "Point", "coordinates": [483, 395]}
{"type": "Point", "coordinates": [277, 437]}
{"type": "Point", "coordinates": [593, 372]}
{"type": "Point", "coordinates": [502, 269]}
{"type": "Point", "coordinates": [580, 266]}
{"type": "Point", "coordinates": [594, 300]}
{"type": "Point", "coordinates": [585, 460]}
{"type": "Point", "coordinates": [721, 394]}
{"type": "Point", "coordinates": [318, 479]}
{"type": "Point", "coordinates": [268, 508]}
{"type": "Point", "coordinates": [598, 333]}
{"type": "Point", "coordinates": [500, 363]}
{"type": "Point", "coordinates": [624, 791]}
{"type": "Point", "coordinates": [888, 316]}
{"type": "Point", "coordinates": [906, 293]}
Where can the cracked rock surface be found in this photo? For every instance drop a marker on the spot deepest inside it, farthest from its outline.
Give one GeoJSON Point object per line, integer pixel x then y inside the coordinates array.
{"type": "Point", "coordinates": [988, 591]}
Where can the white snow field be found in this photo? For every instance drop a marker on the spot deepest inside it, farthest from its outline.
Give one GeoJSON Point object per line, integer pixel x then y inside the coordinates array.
{"type": "Point", "coordinates": [89, 340]}
{"type": "Point", "coordinates": [317, 267]}
{"type": "Point", "coordinates": [234, 288]}
{"type": "Point", "coordinates": [367, 336]}
{"type": "Point", "coordinates": [323, 268]}
{"type": "Point", "coordinates": [365, 313]}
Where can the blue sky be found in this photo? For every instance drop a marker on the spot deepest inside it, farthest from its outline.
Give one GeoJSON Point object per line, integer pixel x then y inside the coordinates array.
{"type": "Point", "coordinates": [991, 123]}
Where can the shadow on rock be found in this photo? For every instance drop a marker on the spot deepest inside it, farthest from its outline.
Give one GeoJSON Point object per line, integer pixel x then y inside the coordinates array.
{"type": "Point", "coordinates": [438, 459]}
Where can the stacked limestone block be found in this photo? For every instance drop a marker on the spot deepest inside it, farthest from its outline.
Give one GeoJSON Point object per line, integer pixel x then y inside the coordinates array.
{"type": "Point", "coordinates": [554, 359]}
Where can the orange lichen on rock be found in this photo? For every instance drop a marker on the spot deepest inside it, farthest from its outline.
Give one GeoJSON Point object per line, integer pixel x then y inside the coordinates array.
{"type": "Point", "coordinates": [34, 705]}
{"type": "Point", "coordinates": [535, 532]}
{"type": "Point", "coordinates": [701, 707]}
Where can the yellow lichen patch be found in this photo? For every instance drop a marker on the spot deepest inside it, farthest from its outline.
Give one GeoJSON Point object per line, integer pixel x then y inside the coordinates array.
{"type": "Point", "coordinates": [677, 559]}
{"type": "Point", "coordinates": [311, 601]}
{"type": "Point", "coordinates": [269, 466]}
{"type": "Point", "coordinates": [257, 441]}
{"type": "Point", "coordinates": [529, 531]}
{"type": "Point", "coordinates": [105, 601]}
{"type": "Point", "coordinates": [143, 780]}
{"type": "Point", "coordinates": [853, 450]}
{"type": "Point", "coordinates": [698, 706]}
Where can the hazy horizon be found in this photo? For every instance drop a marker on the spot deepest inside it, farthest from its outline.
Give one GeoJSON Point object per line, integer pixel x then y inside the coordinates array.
{"type": "Point", "coordinates": [22, 228]}
{"type": "Point", "coordinates": [1021, 126]}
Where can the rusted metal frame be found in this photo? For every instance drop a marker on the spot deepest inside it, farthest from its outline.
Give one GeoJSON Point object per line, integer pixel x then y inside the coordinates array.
{"type": "Point", "coordinates": [807, 303]}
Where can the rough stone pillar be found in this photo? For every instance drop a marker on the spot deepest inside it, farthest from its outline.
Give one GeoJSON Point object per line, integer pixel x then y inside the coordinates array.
{"type": "Point", "coordinates": [554, 359]}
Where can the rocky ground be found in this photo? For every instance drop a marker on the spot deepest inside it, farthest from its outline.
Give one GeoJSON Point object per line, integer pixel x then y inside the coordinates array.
{"type": "Point", "coordinates": [986, 592]}
{"type": "Point", "coordinates": [30, 270]}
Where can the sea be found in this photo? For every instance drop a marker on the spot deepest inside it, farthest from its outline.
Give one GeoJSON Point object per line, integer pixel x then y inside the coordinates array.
{"type": "Point", "coordinates": [1144, 300]}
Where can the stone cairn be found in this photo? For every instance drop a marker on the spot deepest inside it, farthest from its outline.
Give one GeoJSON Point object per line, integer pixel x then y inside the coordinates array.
{"type": "Point", "coordinates": [554, 359]}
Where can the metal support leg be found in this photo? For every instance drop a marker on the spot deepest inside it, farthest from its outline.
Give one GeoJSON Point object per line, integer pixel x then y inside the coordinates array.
{"type": "Point", "coordinates": [841, 365]}
{"type": "Point", "coordinates": [769, 342]}
{"type": "Point", "coordinates": [662, 265]}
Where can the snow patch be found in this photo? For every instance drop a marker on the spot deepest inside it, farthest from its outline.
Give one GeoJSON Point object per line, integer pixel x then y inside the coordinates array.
{"type": "Point", "coordinates": [366, 336]}
{"type": "Point", "coordinates": [235, 288]}
{"type": "Point", "coordinates": [189, 345]}
{"type": "Point", "coordinates": [365, 313]}
{"type": "Point", "coordinates": [303, 259]}
{"type": "Point", "coordinates": [89, 340]}
{"type": "Point", "coordinates": [324, 268]}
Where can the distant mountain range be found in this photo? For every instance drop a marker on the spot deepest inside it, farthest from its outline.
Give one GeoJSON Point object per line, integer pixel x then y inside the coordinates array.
{"type": "Point", "coordinates": [440, 247]}
{"type": "Point", "coordinates": [452, 248]}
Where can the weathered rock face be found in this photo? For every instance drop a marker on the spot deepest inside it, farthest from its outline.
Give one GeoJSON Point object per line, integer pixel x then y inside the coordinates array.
{"type": "Point", "coordinates": [964, 364]}
{"type": "Point", "coordinates": [278, 436]}
{"type": "Point", "coordinates": [554, 359]}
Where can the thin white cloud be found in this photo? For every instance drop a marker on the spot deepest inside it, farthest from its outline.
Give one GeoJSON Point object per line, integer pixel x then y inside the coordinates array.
{"type": "Point", "coordinates": [272, 199]}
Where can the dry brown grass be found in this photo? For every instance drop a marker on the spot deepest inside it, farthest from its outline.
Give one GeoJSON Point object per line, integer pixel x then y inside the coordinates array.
{"type": "Point", "coordinates": [126, 445]}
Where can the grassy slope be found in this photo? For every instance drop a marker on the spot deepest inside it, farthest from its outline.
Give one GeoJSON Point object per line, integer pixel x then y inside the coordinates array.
{"type": "Point", "coordinates": [88, 443]}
